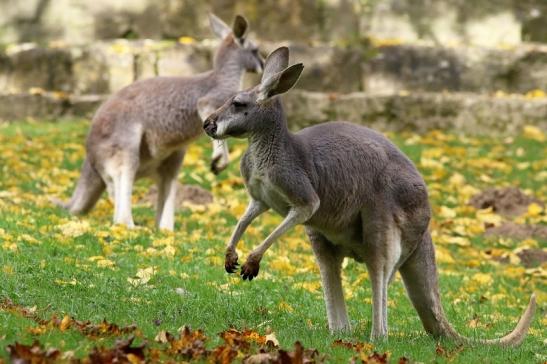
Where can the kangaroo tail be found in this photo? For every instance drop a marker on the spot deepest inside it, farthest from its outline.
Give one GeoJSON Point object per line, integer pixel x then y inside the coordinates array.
{"type": "Point", "coordinates": [88, 190]}
{"type": "Point", "coordinates": [419, 274]}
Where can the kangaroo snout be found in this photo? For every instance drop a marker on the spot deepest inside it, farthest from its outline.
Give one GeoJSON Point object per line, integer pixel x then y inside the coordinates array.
{"type": "Point", "coordinates": [210, 125]}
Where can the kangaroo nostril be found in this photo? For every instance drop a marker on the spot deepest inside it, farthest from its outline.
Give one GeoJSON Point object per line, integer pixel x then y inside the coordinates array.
{"type": "Point", "coordinates": [210, 126]}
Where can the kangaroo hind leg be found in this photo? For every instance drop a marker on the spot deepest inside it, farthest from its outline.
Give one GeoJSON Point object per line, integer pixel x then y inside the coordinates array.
{"type": "Point", "coordinates": [382, 258]}
{"type": "Point", "coordinates": [167, 190]}
{"type": "Point", "coordinates": [88, 190]}
{"type": "Point", "coordinates": [330, 260]}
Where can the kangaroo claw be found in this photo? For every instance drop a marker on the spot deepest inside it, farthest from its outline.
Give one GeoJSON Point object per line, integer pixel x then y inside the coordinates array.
{"type": "Point", "coordinates": [250, 269]}
{"type": "Point", "coordinates": [230, 261]}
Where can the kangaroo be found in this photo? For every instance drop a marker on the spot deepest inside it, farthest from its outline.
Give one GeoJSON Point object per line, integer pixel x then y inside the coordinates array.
{"type": "Point", "coordinates": [145, 128]}
{"type": "Point", "coordinates": [354, 191]}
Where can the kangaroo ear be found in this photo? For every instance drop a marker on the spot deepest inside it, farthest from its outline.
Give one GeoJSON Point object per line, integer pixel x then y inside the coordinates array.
{"type": "Point", "coordinates": [280, 82]}
{"type": "Point", "coordinates": [220, 28]}
{"type": "Point", "coordinates": [276, 62]}
{"type": "Point", "coordinates": [240, 27]}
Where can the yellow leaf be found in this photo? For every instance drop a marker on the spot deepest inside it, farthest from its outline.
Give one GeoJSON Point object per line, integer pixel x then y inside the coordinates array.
{"type": "Point", "coordinates": [533, 132]}
{"type": "Point", "coordinates": [535, 94]}
{"type": "Point", "coordinates": [36, 91]}
{"type": "Point", "coordinates": [534, 210]}
{"type": "Point", "coordinates": [105, 263]}
{"type": "Point", "coordinates": [186, 40]}
{"type": "Point", "coordinates": [482, 278]}
{"type": "Point", "coordinates": [447, 212]}
{"type": "Point", "coordinates": [133, 359]}
{"type": "Point", "coordinates": [443, 256]}
{"type": "Point", "coordinates": [74, 228]}
{"type": "Point", "coordinates": [457, 180]}
{"type": "Point", "coordinates": [65, 323]}
{"type": "Point", "coordinates": [284, 306]}
{"type": "Point", "coordinates": [142, 277]}
{"type": "Point", "coordinates": [488, 216]}
{"type": "Point", "coordinates": [310, 286]}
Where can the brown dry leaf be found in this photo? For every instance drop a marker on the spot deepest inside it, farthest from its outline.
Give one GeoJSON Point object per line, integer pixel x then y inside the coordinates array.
{"type": "Point", "coordinates": [190, 344]}
{"type": "Point", "coordinates": [358, 346]}
{"type": "Point", "coordinates": [65, 323]}
{"type": "Point", "coordinates": [374, 358]}
{"type": "Point", "coordinates": [84, 327]}
{"type": "Point", "coordinates": [272, 339]}
{"type": "Point", "coordinates": [34, 353]}
{"type": "Point", "coordinates": [298, 356]}
{"type": "Point", "coordinates": [161, 337]}
{"type": "Point", "coordinates": [448, 354]}
{"type": "Point", "coordinates": [122, 352]}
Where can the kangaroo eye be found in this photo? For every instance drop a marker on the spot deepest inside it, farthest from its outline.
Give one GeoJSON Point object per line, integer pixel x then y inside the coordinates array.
{"type": "Point", "coordinates": [238, 104]}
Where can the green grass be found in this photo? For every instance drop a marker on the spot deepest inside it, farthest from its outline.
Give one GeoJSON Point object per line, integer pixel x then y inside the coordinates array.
{"type": "Point", "coordinates": [43, 268]}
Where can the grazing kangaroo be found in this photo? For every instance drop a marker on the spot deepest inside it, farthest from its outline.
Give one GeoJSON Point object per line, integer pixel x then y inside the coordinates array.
{"type": "Point", "coordinates": [357, 195]}
{"type": "Point", "coordinates": [144, 129]}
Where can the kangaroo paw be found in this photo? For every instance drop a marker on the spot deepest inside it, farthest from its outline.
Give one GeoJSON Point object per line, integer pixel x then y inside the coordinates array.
{"type": "Point", "coordinates": [230, 261]}
{"type": "Point", "coordinates": [58, 202]}
{"type": "Point", "coordinates": [218, 164]}
{"type": "Point", "coordinates": [250, 269]}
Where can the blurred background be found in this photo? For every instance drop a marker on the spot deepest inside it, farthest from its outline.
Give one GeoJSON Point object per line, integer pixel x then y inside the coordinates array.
{"type": "Point", "coordinates": [479, 22]}
{"type": "Point", "coordinates": [475, 65]}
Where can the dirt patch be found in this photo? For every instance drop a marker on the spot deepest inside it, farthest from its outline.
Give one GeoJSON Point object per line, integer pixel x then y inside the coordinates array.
{"type": "Point", "coordinates": [185, 193]}
{"type": "Point", "coordinates": [529, 258]}
{"type": "Point", "coordinates": [517, 231]}
{"type": "Point", "coordinates": [509, 201]}
{"type": "Point", "coordinates": [532, 257]}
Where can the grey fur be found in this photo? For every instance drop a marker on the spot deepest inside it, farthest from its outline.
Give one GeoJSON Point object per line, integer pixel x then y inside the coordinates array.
{"type": "Point", "coordinates": [143, 130]}
{"type": "Point", "coordinates": [356, 193]}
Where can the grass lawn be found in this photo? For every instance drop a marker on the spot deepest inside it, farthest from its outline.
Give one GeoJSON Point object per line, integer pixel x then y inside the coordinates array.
{"type": "Point", "coordinates": [53, 264]}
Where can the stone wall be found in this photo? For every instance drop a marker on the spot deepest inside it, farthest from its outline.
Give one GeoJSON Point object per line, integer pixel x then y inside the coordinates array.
{"type": "Point", "coordinates": [468, 113]}
{"type": "Point", "coordinates": [105, 67]}
{"type": "Point", "coordinates": [446, 22]}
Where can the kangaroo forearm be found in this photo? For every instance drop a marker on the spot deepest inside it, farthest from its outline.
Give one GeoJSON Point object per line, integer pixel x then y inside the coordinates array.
{"type": "Point", "coordinates": [294, 217]}
{"type": "Point", "coordinates": [254, 209]}
{"type": "Point", "coordinates": [220, 149]}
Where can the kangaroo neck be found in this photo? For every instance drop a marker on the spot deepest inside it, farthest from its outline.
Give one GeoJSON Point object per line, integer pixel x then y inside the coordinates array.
{"type": "Point", "coordinates": [272, 141]}
{"type": "Point", "coordinates": [227, 74]}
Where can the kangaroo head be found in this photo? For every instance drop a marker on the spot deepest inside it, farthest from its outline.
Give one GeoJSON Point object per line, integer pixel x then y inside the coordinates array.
{"type": "Point", "coordinates": [252, 111]}
{"type": "Point", "coordinates": [235, 44]}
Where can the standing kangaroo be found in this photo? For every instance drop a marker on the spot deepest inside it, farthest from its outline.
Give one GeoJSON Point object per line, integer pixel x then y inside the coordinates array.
{"type": "Point", "coordinates": [357, 195]}
{"type": "Point", "coordinates": [144, 129]}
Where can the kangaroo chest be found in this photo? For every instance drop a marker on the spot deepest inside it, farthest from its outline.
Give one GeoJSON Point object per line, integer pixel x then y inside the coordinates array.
{"type": "Point", "coordinates": [262, 189]}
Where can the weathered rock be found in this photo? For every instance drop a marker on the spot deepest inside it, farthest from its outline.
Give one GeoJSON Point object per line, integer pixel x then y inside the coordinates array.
{"type": "Point", "coordinates": [45, 68]}
{"type": "Point", "coordinates": [329, 68]}
{"type": "Point", "coordinates": [105, 67]}
{"type": "Point", "coordinates": [528, 71]}
{"type": "Point", "coordinates": [469, 113]}
{"type": "Point", "coordinates": [90, 70]}
{"type": "Point", "coordinates": [145, 65]}
{"type": "Point", "coordinates": [439, 21]}
{"type": "Point", "coordinates": [472, 69]}
{"type": "Point", "coordinates": [23, 106]}
{"type": "Point", "coordinates": [84, 105]}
